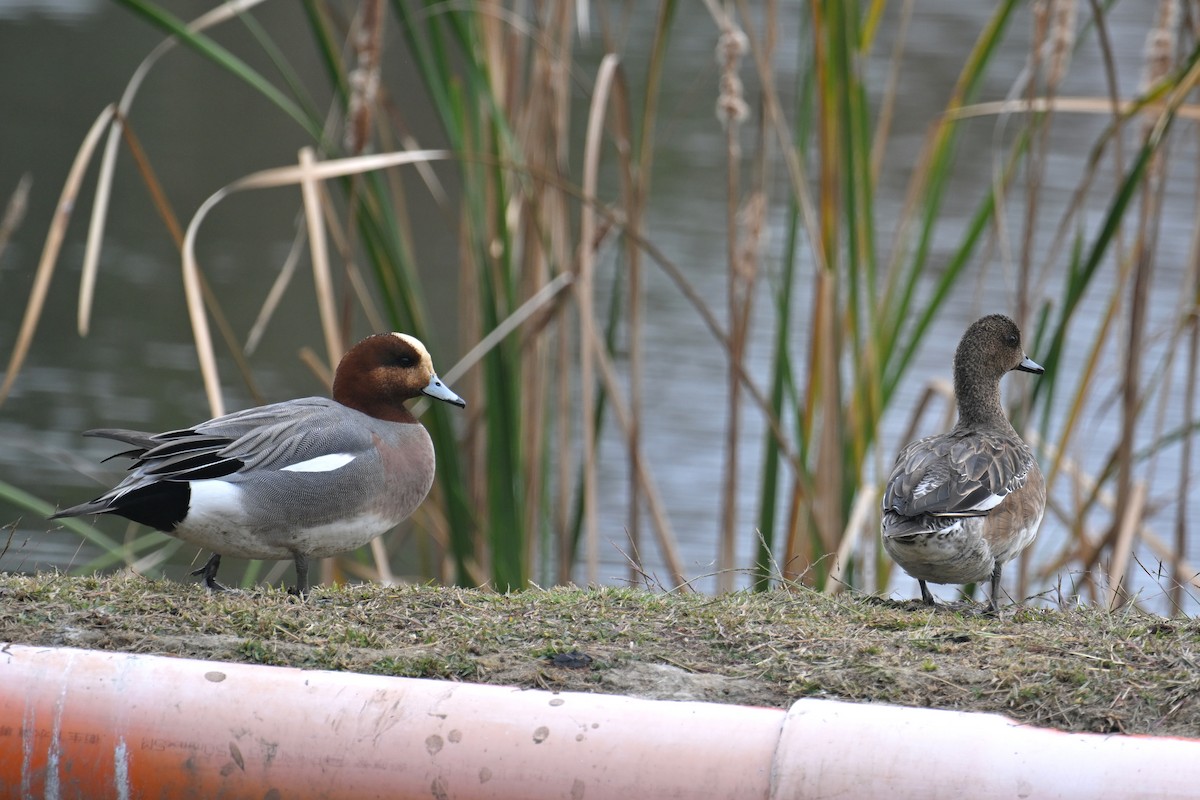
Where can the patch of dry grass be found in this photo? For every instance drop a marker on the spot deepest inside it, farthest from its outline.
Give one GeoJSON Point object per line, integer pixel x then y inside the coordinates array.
{"type": "Point", "coordinates": [1079, 670]}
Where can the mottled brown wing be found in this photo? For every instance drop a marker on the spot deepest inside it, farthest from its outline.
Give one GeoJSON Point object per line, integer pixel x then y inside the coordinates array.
{"type": "Point", "coordinates": [956, 475]}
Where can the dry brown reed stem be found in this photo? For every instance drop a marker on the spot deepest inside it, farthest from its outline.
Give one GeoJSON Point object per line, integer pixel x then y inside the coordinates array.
{"type": "Point", "coordinates": [1061, 41]}
{"type": "Point", "coordinates": [275, 294]}
{"type": "Point", "coordinates": [14, 210]}
{"type": "Point", "coordinates": [632, 194]}
{"type": "Point", "coordinates": [752, 223]}
{"type": "Point", "coordinates": [775, 118]}
{"type": "Point", "coordinates": [1069, 105]}
{"type": "Point", "coordinates": [634, 204]}
{"type": "Point", "coordinates": [51, 249]}
{"type": "Point", "coordinates": [822, 519]}
{"type": "Point", "coordinates": [856, 529]}
{"type": "Point", "coordinates": [827, 511]}
{"type": "Point", "coordinates": [562, 253]}
{"type": "Point", "coordinates": [817, 513]}
{"type": "Point", "coordinates": [1118, 140]}
{"type": "Point", "coordinates": [314, 201]}
{"type": "Point", "coordinates": [316, 365]}
{"type": "Point", "coordinates": [343, 243]}
{"type": "Point", "coordinates": [364, 78]}
{"type": "Point", "coordinates": [887, 108]}
{"type": "Point", "coordinates": [474, 443]}
{"type": "Point", "coordinates": [1035, 164]}
{"type": "Point", "coordinates": [936, 388]}
{"type": "Point", "coordinates": [658, 513]}
{"type": "Point", "coordinates": [1053, 42]}
{"type": "Point", "coordinates": [1160, 52]}
{"type": "Point", "coordinates": [731, 111]}
{"type": "Point", "coordinates": [586, 297]}
{"type": "Point", "coordinates": [167, 213]}
{"type": "Point", "coordinates": [634, 182]}
{"type": "Point", "coordinates": [1155, 192]}
{"type": "Point", "coordinates": [551, 119]}
{"type": "Point", "coordinates": [538, 302]}
{"type": "Point", "coordinates": [345, 249]}
{"type": "Point", "coordinates": [638, 190]}
{"type": "Point", "coordinates": [559, 360]}
{"type": "Point", "coordinates": [562, 508]}
{"type": "Point", "coordinates": [1183, 495]}
{"type": "Point", "coordinates": [95, 237]}
{"type": "Point", "coordinates": [383, 566]}
{"type": "Point", "coordinates": [1122, 552]}
{"type": "Point", "coordinates": [543, 130]}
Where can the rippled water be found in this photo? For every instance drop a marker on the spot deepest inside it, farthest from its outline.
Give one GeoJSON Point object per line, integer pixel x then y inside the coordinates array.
{"type": "Point", "coordinates": [63, 62]}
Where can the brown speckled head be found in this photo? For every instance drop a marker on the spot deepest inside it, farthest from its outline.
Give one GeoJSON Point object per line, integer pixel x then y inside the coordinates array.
{"type": "Point", "coordinates": [990, 348]}
{"type": "Point", "coordinates": [382, 371]}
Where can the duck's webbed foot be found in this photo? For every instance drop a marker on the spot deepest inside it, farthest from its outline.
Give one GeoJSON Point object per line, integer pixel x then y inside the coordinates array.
{"type": "Point", "coordinates": [209, 571]}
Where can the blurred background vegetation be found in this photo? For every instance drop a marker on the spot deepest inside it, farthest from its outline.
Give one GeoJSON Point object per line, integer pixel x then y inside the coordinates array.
{"type": "Point", "coordinates": [858, 224]}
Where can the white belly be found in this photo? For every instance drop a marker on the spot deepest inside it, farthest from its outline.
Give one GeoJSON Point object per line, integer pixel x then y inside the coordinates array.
{"type": "Point", "coordinates": [218, 520]}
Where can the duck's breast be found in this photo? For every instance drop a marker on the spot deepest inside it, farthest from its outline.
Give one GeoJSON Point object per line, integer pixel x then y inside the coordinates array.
{"type": "Point", "coordinates": [1012, 526]}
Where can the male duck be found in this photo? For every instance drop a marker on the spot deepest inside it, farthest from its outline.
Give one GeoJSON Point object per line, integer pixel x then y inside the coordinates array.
{"type": "Point", "coordinates": [301, 479]}
{"type": "Point", "coordinates": [961, 504]}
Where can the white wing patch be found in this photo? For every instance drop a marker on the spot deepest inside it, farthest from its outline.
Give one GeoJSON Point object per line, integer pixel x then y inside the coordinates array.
{"type": "Point", "coordinates": [988, 503]}
{"type": "Point", "coordinates": [325, 463]}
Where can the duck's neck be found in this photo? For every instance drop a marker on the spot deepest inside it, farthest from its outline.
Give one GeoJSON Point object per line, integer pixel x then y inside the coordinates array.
{"type": "Point", "coordinates": [978, 396]}
{"type": "Point", "coordinates": [352, 389]}
{"type": "Point", "coordinates": [388, 412]}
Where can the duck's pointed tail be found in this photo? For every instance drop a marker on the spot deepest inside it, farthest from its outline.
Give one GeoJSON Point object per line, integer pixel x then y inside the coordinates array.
{"type": "Point", "coordinates": [97, 506]}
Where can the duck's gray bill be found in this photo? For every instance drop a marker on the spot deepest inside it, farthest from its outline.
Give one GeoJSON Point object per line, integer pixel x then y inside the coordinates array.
{"type": "Point", "coordinates": [1029, 365]}
{"type": "Point", "coordinates": [439, 391]}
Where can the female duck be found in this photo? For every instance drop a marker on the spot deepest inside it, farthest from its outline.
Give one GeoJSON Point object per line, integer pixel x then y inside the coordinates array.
{"type": "Point", "coordinates": [960, 505]}
{"type": "Point", "coordinates": [301, 479]}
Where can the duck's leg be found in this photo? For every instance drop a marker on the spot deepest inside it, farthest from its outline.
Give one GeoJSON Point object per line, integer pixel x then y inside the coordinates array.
{"type": "Point", "coordinates": [926, 595]}
{"type": "Point", "coordinates": [209, 571]}
{"type": "Point", "coordinates": [993, 606]}
{"type": "Point", "coordinates": [301, 588]}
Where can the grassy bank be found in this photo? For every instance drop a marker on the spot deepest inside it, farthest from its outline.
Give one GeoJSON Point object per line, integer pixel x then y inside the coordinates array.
{"type": "Point", "coordinates": [1078, 670]}
{"type": "Point", "coordinates": [851, 215]}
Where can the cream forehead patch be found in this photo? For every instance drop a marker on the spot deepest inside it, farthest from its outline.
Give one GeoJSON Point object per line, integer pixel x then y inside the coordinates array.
{"type": "Point", "coordinates": [416, 344]}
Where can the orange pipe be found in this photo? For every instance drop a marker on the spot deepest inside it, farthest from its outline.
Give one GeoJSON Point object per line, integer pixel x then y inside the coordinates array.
{"type": "Point", "coordinates": [90, 724]}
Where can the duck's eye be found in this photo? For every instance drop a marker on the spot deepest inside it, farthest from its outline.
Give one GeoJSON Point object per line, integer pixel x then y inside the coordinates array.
{"type": "Point", "coordinates": [406, 362]}
{"type": "Point", "coordinates": [1013, 340]}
